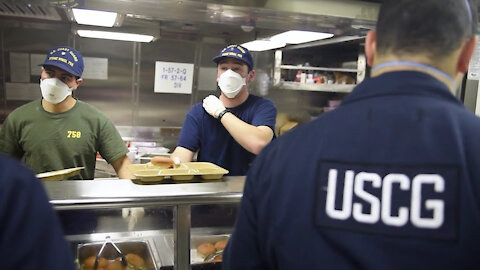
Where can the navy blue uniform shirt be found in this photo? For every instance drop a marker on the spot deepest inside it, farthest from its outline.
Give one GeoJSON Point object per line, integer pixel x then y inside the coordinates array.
{"type": "Point", "coordinates": [388, 180]}
{"type": "Point", "coordinates": [31, 237]}
{"type": "Point", "coordinates": [202, 132]}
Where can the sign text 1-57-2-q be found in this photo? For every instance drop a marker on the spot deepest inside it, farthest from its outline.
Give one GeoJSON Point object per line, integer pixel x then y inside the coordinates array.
{"type": "Point", "coordinates": [171, 77]}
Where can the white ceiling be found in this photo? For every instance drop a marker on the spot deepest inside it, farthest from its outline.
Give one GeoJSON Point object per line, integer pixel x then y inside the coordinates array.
{"type": "Point", "coordinates": [199, 19]}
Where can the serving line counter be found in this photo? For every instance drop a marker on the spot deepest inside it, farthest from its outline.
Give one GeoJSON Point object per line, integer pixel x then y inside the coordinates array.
{"type": "Point", "coordinates": [173, 217]}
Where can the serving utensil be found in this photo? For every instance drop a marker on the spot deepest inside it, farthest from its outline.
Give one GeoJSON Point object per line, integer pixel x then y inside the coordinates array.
{"type": "Point", "coordinates": [212, 256]}
{"type": "Point", "coordinates": [108, 240]}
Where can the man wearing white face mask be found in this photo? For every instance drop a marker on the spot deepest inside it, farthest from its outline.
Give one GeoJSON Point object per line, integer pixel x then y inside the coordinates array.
{"type": "Point", "coordinates": [229, 130]}
{"type": "Point", "coordinates": [59, 131]}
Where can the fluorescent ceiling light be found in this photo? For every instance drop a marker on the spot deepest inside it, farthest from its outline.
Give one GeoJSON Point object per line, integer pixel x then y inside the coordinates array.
{"type": "Point", "coordinates": [115, 35]}
{"type": "Point", "coordinates": [94, 17]}
{"type": "Point", "coordinates": [297, 37]}
{"type": "Point", "coordinates": [233, 14]}
{"type": "Point", "coordinates": [263, 45]}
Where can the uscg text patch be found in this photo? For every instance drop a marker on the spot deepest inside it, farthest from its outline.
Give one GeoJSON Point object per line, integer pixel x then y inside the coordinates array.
{"type": "Point", "coordinates": [418, 200]}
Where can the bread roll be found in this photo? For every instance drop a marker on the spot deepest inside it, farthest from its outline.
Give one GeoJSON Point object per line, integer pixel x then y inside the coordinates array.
{"type": "Point", "coordinates": [135, 260]}
{"type": "Point", "coordinates": [89, 262]}
{"type": "Point", "coordinates": [220, 245]}
{"type": "Point", "coordinates": [115, 265]}
{"type": "Point", "coordinates": [205, 249]}
{"type": "Point", "coordinates": [159, 160]}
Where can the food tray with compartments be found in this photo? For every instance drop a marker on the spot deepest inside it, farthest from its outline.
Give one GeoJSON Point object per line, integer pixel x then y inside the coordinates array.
{"type": "Point", "coordinates": [60, 174]}
{"type": "Point", "coordinates": [182, 172]}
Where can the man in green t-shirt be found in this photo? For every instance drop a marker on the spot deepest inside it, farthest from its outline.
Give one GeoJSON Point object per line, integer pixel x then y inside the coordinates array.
{"type": "Point", "coordinates": [59, 131]}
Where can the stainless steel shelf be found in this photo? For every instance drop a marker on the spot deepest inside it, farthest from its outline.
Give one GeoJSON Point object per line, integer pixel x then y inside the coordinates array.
{"type": "Point", "coordinates": [359, 71]}
{"type": "Point", "coordinates": [320, 68]}
{"type": "Point", "coordinates": [342, 88]}
{"type": "Point", "coordinates": [66, 195]}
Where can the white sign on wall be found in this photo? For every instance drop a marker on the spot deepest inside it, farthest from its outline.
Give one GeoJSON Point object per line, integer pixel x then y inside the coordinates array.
{"type": "Point", "coordinates": [171, 77]}
{"type": "Point", "coordinates": [95, 68]}
{"type": "Point", "coordinates": [474, 65]}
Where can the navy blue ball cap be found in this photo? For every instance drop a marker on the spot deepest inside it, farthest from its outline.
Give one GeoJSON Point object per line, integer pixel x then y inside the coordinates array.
{"type": "Point", "coordinates": [237, 52]}
{"type": "Point", "coordinates": [65, 58]}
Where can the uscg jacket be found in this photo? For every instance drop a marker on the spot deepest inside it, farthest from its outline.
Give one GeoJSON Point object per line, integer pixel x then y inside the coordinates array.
{"type": "Point", "coordinates": [388, 180]}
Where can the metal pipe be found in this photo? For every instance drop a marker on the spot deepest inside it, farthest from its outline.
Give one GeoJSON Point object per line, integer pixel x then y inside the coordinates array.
{"type": "Point", "coordinates": [182, 222]}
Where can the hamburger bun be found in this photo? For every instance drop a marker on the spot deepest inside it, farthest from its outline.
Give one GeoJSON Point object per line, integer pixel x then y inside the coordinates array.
{"type": "Point", "coordinates": [115, 265]}
{"type": "Point", "coordinates": [135, 260]}
{"type": "Point", "coordinates": [220, 245]}
{"type": "Point", "coordinates": [161, 161]}
{"type": "Point", "coordinates": [89, 262]}
{"type": "Point", "coordinates": [205, 249]}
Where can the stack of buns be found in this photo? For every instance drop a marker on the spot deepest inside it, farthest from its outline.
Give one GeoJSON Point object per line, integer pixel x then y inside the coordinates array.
{"type": "Point", "coordinates": [115, 265]}
{"type": "Point", "coordinates": [208, 248]}
{"type": "Point", "coordinates": [89, 263]}
{"type": "Point", "coordinates": [134, 261]}
{"type": "Point", "coordinates": [220, 245]}
{"type": "Point", "coordinates": [205, 249]}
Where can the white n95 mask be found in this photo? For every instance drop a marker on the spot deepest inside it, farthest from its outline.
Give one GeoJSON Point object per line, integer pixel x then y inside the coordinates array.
{"type": "Point", "coordinates": [231, 83]}
{"type": "Point", "coordinates": [54, 90]}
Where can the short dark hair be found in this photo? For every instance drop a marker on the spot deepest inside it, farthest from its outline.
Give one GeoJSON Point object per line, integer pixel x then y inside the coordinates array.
{"type": "Point", "coordinates": [432, 27]}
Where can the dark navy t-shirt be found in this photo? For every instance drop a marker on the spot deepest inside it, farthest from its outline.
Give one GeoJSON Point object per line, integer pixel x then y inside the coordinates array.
{"type": "Point", "coordinates": [388, 180]}
{"type": "Point", "coordinates": [30, 234]}
{"type": "Point", "coordinates": [202, 132]}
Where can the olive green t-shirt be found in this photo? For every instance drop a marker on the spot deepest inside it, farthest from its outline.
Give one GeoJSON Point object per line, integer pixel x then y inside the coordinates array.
{"type": "Point", "coordinates": [53, 141]}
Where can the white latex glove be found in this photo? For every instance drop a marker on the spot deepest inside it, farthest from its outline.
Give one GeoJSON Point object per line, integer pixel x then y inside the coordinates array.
{"type": "Point", "coordinates": [176, 162]}
{"type": "Point", "coordinates": [213, 105]}
{"type": "Point", "coordinates": [132, 215]}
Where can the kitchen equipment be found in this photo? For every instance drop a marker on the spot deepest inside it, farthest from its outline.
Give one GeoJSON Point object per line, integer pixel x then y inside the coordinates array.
{"type": "Point", "coordinates": [214, 255]}
{"type": "Point", "coordinates": [196, 258]}
{"type": "Point", "coordinates": [113, 250]}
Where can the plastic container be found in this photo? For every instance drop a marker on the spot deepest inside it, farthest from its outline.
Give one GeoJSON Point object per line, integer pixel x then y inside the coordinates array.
{"type": "Point", "coordinates": [310, 79]}
{"type": "Point", "coordinates": [303, 77]}
{"type": "Point", "coordinates": [60, 174]}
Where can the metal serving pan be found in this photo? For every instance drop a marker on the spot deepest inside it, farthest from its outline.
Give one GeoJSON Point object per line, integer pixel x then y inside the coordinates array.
{"type": "Point", "coordinates": [140, 248]}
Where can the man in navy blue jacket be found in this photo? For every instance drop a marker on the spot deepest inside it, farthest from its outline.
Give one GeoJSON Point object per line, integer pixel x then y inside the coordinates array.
{"type": "Point", "coordinates": [31, 237]}
{"type": "Point", "coordinates": [388, 180]}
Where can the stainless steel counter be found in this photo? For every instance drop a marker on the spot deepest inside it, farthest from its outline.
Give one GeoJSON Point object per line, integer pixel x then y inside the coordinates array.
{"type": "Point", "coordinates": [120, 193]}
{"type": "Point", "coordinates": [91, 194]}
